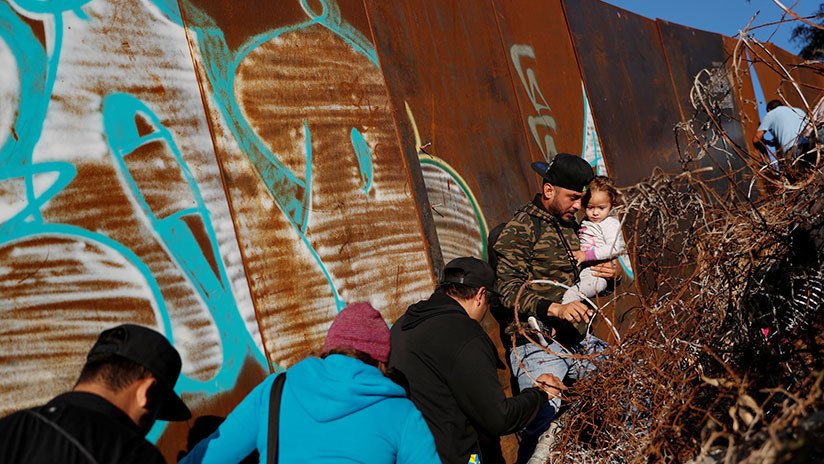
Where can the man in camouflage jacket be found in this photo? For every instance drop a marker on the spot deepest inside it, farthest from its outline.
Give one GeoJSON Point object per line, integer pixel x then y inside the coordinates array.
{"type": "Point", "coordinates": [524, 253]}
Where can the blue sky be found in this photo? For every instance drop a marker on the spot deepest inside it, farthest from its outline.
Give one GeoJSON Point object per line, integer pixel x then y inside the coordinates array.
{"type": "Point", "coordinates": [724, 16]}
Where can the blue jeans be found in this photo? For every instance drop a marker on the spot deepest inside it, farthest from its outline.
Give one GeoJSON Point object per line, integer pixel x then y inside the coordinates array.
{"type": "Point", "coordinates": [536, 362]}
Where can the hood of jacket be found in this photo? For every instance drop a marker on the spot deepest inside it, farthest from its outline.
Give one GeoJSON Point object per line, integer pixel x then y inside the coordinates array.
{"type": "Point", "coordinates": [436, 305]}
{"type": "Point", "coordinates": [337, 386]}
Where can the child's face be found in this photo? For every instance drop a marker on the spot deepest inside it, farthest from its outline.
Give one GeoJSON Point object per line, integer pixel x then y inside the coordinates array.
{"type": "Point", "coordinates": [599, 206]}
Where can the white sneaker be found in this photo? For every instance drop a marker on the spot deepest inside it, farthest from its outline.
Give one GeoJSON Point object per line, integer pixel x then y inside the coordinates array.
{"type": "Point", "coordinates": [546, 444]}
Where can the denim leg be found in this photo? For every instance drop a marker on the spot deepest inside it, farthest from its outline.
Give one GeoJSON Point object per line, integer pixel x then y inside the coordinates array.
{"type": "Point", "coordinates": [536, 362]}
{"type": "Point", "coordinates": [591, 344]}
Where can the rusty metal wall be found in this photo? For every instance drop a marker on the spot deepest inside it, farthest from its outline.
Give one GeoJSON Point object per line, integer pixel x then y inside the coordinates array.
{"type": "Point", "coordinates": [555, 111]}
{"type": "Point", "coordinates": [744, 91]}
{"type": "Point", "coordinates": [693, 55]}
{"type": "Point", "coordinates": [451, 90]}
{"type": "Point", "coordinates": [238, 173]}
{"type": "Point", "coordinates": [774, 84]}
{"type": "Point", "coordinates": [320, 191]}
{"type": "Point", "coordinates": [113, 209]}
{"type": "Point", "coordinates": [628, 83]}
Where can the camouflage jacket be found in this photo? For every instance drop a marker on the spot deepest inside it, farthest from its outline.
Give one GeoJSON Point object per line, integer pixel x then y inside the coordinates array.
{"type": "Point", "coordinates": [519, 261]}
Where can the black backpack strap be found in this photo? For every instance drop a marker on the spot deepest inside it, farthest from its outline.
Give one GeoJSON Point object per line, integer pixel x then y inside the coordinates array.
{"type": "Point", "coordinates": [274, 418]}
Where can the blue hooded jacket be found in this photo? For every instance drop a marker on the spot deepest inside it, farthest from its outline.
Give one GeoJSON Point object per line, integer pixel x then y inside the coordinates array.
{"type": "Point", "coordinates": [336, 409]}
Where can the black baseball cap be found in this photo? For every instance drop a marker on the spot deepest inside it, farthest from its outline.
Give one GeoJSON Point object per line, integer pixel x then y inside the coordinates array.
{"type": "Point", "coordinates": [151, 350]}
{"type": "Point", "coordinates": [474, 273]}
{"type": "Point", "coordinates": [566, 171]}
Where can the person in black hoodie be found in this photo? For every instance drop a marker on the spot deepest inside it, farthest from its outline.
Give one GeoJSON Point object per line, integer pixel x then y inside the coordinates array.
{"type": "Point", "coordinates": [450, 364]}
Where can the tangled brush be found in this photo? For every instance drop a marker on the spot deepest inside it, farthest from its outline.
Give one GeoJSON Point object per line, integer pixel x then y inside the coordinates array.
{"type": "Point", "coordinates": [722, 358]}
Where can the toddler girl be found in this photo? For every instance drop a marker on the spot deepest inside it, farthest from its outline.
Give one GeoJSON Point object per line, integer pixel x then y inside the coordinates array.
{"type": "Point", "coordinates": [600, 236]}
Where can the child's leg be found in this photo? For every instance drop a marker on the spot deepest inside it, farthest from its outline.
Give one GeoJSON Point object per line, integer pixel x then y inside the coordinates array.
{"type": "Point", "coordinates": [589, 286]}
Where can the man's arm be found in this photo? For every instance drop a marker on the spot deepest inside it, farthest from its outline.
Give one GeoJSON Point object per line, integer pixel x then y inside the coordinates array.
{"type": "Point", "coordinates": [474, 385]}
{"type": "Point", "coordinates": [766, 123]}
{"type": "Point", "coordinates": [758, 138]}
{"type": "Point", "coordinates": [514, 251]}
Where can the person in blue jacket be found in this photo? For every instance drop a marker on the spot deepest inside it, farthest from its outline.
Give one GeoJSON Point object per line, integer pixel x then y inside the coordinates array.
{"type": "Point", "coordinates": [338, 407]}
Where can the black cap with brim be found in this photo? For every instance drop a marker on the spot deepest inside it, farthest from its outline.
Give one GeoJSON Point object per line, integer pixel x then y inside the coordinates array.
{"type": "Point", "coordinates": [566, 171]}
{"type": "Point", "coordinates": [153, 351]}
{"type": "Point", "coordinates": [474, 273]}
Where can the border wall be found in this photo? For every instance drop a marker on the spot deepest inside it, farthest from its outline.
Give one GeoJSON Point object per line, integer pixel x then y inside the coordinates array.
{"type": "Point", "coordinates": [234, 173]}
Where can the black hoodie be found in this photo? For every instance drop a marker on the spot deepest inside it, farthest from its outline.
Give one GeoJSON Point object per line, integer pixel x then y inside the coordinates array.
{"type": "Point", "coordinates": [450, 364]}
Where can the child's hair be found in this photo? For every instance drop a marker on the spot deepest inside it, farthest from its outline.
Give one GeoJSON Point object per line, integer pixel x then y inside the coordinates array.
{"type": "Point", "coordinates": [602, 184]}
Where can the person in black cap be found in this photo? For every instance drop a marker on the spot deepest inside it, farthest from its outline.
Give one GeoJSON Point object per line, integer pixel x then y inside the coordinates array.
{"type": "Point", "coordinates": [539, 243]}
{"type": "Point", "coordinates": [450, 364]}
{"type": "Point", "coordinates": [126, 384]}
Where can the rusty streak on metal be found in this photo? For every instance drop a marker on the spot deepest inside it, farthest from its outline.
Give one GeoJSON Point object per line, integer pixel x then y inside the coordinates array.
{"type": "Point", "coordinates": [627, 80]}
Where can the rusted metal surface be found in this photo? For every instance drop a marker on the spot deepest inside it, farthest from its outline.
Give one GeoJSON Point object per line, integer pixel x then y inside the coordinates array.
{"type": "Point", "coordinates": [739, 72]}
{"type": "Point", "coordinates": [449, 82]}
{"type": "Point", "coordinates": [554, 108]}
{"type": "Point", "coordinates": [545, 74]}
{"type": "Point", "coordinates": [694, 54]}
{"type": "Point", "coordinates": [317, 183]}
{"type": "Point", "coordinates": [234, 173]}
{"type": "Point", "coordinates": [772, 63]}
{"type": "Point", "coordinates": [112, 205]}
{"type": "Point", "coordinates": [627, 80]}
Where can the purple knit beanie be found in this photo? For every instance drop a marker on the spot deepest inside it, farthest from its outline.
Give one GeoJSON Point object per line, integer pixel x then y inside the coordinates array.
{"type": "Point", "coordinates": [360, 326]}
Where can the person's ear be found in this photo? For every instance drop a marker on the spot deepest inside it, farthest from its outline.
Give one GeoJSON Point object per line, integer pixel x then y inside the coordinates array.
{"type": "Point", "coordinates": [144, 393]}
{"type": "Point", "coordinates": [479, 297]}
{"type": "Point", "coordinates": [549, 191]}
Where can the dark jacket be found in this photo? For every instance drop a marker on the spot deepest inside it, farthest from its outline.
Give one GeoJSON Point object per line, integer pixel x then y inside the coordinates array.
{"type": "Point", "coordinates": [521, 257]}
{"type": "Point", "coordinates": [74, 427]}
{"type": "Point", "coordinates": [450, 364]}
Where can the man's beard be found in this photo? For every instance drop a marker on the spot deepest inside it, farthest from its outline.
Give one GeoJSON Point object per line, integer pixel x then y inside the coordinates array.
{"type": "Point", "coordinates": [555, 210]}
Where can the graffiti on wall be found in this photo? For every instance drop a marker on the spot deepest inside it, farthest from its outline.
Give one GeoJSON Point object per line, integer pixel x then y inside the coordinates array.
{"type": "Point", "coordinates": [459, 220]}
{"type": "Point", "coordinates": [113, 207]}
{"type": "Point", "coordinates": [542, 122]}
{"type": "Point", "coordinates": [114, 201]}
{"type": "Point", "coordinates": [315, 176]}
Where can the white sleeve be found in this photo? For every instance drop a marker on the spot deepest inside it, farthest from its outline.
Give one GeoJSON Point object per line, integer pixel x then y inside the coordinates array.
{"type": "Point", "coordinates": [614, 244]}
{"type": "Point", "coordinates": [766, 123]}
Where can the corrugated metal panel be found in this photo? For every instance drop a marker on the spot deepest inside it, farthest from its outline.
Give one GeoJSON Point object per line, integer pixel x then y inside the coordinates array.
{"type": "Point", "coordinates": [694, 54]}
{"type": "Point", "coordinates": [774, 82]}
{"type": "Point", "coordinates": [320, 192]}
{"type": "Point", "coordinates": [128, 220]}
{"type": "Point", "coordinates": [744, 91]}
{"type": "Point", "coordinates": [629, 87]}
{"type": "Point", "coordinates": [545, 75]}
{"type": "Point", "coordinates": [450, 84]}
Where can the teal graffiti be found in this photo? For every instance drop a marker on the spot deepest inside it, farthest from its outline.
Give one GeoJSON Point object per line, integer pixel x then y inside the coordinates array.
{"type": "Point", "coordinates": [37, 71]}
{"type": "Point", "coordinates": [291, 193]}
{"type": "Point", "coordinates": [591, 151]}
{"type": "Point", "coordinates": [17, 229]}
{"type": "Point", "coordinates": [169, 9]}
{"type": "Point", "coordinates": [364, 155]}
{"type": "Point", "coordinates": [119, 114]}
